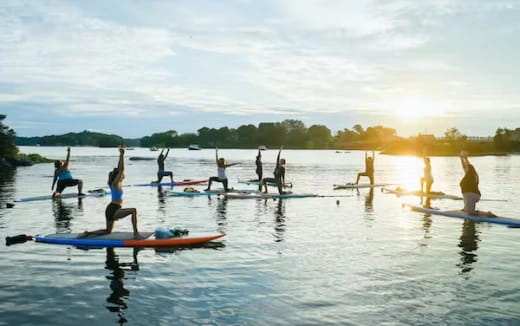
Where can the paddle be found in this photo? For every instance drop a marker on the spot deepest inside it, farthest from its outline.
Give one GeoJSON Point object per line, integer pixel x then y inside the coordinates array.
{"type": "Point", "coordinates": [21, 238]}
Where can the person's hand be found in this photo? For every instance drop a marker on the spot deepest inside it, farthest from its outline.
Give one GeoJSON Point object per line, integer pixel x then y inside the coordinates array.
{"type": "Point", "coordinates": [68, 149]}
{"type": "Point", "coordinates": [121, 149]}
{"type": "Point", "coordinates": [463, 154]}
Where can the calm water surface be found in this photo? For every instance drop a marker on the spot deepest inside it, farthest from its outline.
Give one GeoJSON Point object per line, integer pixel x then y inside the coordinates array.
{"type": "Point", "coordinates": [304, 261]}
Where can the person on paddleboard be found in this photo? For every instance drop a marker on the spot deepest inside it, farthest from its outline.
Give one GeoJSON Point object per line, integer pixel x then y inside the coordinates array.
{"type": "Point", "coordinates": [369, 168]}
{"type": "Point", "coordinates": [279, 175]}
{"type": "Point", "coordinates": [161, 172]}
{"type": "Point", "coordinates": [221, 172]}
{"type": "Point", "coordinates": [427, 179]}
{"type": "Point", "coordinates": [64, 177]}
{"type": "Point", "coordinates": [469, 187]}
{"type": "Point", "coordinates": [114, 210]}
{"type": "Point", "coordinates": [259, 169]}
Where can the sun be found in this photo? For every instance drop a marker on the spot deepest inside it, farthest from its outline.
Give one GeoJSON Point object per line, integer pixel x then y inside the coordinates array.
{"type": "Point", "coordinates": [415, 108]}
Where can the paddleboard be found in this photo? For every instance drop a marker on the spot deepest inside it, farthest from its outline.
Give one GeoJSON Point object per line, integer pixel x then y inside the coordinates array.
{"type": "Point", "coordinates": [126, 239]}
{"type": "Point", "coordinates": [209, 193]}
{"type": "Point", "coordinates": [463, 215]}
{"type": "Point", "coordinates": [134, 158]}
{"type": "Point", "coordinates": [62, 196]}
{"type": "Point", "coordinates": [257, 183]}
{"type": "Point", "coordinates": [172, 184]}
{"type": "Point", "coordinates": [266, 196]}
{"type": "Point", "coordinates": [432, 194]}
{"type": "Point", "coordinates": [361, 185]}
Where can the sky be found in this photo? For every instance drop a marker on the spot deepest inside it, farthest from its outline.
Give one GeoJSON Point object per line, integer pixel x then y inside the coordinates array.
{"type": "Point", "coordinates": [136, 67]}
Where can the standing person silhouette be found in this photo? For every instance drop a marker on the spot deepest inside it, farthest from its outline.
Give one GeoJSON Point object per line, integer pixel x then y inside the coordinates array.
{"type": "Point", "coordinates": [259, 169]}
{"type": "Point", "coordinates": [427, 179]}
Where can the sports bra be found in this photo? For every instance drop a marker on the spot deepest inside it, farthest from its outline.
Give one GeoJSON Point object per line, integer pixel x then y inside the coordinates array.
{"type": "Point", "coordinates": [117, 194]}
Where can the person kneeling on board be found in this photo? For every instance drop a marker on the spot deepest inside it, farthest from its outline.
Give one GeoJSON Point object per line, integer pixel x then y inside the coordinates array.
{"type": "Point", "coordinates": [279, 175]}
{"type": "Point", "coordinates": [369, 169]}
{"type": "Point", "coordinates": [221, 172]}
{"type": "Point", "coordinates": [161, 172]}
{"type": "Point", "coordinates": [469, 187]}
{"type": "Point", "coordinates": [114, 210]}
{"type": "Point", "coordinates": [64, 177]}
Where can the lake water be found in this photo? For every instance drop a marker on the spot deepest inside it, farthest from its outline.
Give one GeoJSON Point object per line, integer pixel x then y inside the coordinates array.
{"type": "Point", "coordinates": [309, 261]}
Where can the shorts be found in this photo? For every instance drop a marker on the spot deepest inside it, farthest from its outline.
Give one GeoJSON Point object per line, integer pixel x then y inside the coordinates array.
{"type": "Point", "coordinates": [111, 210]}
{"type": "Point", "coordinates": [470, 201]}
{"type": "Point", "coordinates": [62, 184]}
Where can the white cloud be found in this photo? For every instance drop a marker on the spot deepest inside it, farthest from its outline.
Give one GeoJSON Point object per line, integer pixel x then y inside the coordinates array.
{"type": "Point", "coordinates": [161, 58]}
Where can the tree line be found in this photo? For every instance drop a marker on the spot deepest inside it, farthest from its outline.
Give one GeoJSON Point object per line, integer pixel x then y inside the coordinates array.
{"type": "Point", "coordinates": [293, 134]}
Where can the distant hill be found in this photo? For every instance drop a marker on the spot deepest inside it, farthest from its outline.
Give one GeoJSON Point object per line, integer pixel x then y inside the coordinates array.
{"type": "Point", "coordinates": [84, 138]}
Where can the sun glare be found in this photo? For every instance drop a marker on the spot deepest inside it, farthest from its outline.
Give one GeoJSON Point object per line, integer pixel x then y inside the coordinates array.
{"type": "Point", "coordinates": [418, 108]}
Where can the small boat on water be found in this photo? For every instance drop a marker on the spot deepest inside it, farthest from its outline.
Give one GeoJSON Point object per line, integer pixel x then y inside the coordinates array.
{"type": "Point", "coordinates": [194, 147]}
{"type": "Point", "coordinates": [154, 149]}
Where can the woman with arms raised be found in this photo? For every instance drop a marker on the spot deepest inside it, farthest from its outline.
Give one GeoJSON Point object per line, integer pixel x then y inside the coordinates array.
{"type": "Point", "coordinates": [114, 210]}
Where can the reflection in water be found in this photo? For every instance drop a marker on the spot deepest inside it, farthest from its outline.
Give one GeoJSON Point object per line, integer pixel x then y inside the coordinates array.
{"type": "Point", "coordinates": [427, 221]}
{"type": "Point", "coordinates": [220, 215]}
{"type": "Point", "coordinates": [279, 216]}
{"type": "Point", "coordinates": [161, 203]}
{"type": "Point", "coordinates": [369, 199]}
{"type": "Point", "coordinates": [6, 186]}
{"type": "Point", "coordinates": [469, 243]}
{"type": "Point", "coordinates": [117, 277]}
{"type": "Point", "coordinates": [63, 214]}
{"type": "Point", "coordinates": [160, 196]}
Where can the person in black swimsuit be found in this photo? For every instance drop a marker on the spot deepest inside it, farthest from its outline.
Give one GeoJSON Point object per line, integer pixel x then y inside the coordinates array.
{"type": "Point", "coordinates": [259, 169]}
{"type": "Point", "coordinates": [279, 175]}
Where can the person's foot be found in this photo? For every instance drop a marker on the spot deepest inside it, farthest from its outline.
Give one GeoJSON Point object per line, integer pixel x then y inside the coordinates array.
{"type": "Point", "coordinates": [136, 235]}
{"type": "Point", "coordinates": [81, 194]}
{"type": "Point", "coordinates": [207, 189]}
{"type": "Point", "coordinates": [490, 214]}
{"type": "Point", "coordinates": [83, 235]}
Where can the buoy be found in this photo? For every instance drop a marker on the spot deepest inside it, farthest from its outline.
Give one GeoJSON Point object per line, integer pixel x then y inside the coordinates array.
{"type": "Point", "coordinates": [337, 202]}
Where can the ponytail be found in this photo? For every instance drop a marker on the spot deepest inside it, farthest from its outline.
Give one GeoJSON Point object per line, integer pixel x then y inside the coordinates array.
{"type": "Point", "coordinates": [112, 175]}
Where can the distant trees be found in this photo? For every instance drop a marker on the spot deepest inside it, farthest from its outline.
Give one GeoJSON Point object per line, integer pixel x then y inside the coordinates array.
{"type": "Point", "coordinates": [359, 138]}
{"type": "Point", "coordinates": [507, 139]}
{"type": "Point", "coordinates": [290, 133]}
{"type": "Point", "coordinates": [7, 136]}
{"type": "Point", "coordinates": [84, 138]}
{"type": "Point", "coordinates": [453, 134]}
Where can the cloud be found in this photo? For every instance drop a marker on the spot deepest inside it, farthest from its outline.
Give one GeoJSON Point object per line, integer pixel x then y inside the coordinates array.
{"type": "Point", "coordinates": [141, 60]}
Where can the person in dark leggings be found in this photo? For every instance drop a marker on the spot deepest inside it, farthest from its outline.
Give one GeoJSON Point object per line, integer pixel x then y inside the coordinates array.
{"type": "Point", "coordinates": [161, 172]}
{"type": "Point", "coordinates": [279, 175]}
{"type": "Point", "coordinates": [369, 169]}
{"type": "Point", "coordinates": [114, 210]}
{"type": "Point", "coordinates": [221, 172]}
{"type": "Point", "coordinates": [259, 169]}
{"type": "Point", "coordinates": [64, 177]}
